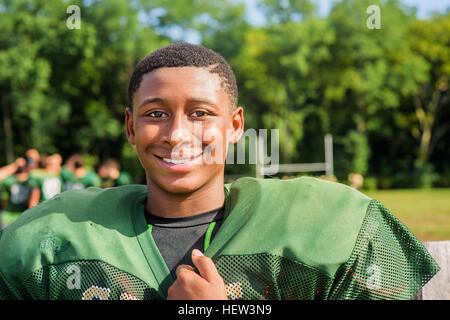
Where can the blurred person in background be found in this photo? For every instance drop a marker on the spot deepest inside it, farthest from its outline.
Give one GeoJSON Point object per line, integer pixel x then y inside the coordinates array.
{"type": "Point", "coordinates": [77, 176]}
{"type": "Point", "coordinates": [19, 192]}
{"type": "Point", "coordinates": [68, 168]}
{"type": "Point", "coordinates": [110, 174]}
{"type": "Point", "coordinates": [33, 159]}
{"type": "Point", "coordinates": [50, 180]}
{"type": "Point", "coordinates": [5, 172]}
{"type": "Point", "coordinates": [11, 168]}
{"type": "Point", "coordinates": [355, 180]}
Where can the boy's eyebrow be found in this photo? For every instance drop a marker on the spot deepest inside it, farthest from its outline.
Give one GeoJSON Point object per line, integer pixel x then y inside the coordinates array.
{"type": "Point", "coordinates": [203, 100]}
{"type": "Point", "coordinates": [158, 99]}
{"type": "Point", "coordinates": [150, 100]}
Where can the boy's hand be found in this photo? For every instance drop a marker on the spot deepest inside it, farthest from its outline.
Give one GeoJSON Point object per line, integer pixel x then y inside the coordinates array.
{"type": "Point", "coordinates": [189, 285]}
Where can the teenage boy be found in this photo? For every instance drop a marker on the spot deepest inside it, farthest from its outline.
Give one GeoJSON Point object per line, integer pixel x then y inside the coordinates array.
{"type": "Point", "coordinates": [261, 239]}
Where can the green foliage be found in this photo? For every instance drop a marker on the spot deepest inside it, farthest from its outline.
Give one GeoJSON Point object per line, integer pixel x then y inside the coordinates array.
{"type": "Point", "coordinates": [425, 177]}
{"type": "Point", "coordinates": [354, 153]}
{"type": "Point", "coordinates": [382, 93]}
{"type": "Point", "coordinates": [279, 73]}
{"type": "Point", "coordinates": [67, 88]}
{"type": "Point", "coordinates": [370, 183]}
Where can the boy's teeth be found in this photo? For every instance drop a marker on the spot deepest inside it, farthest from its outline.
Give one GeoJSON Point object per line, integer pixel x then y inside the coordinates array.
{"type": "Point", "coordinates": [176, 161]}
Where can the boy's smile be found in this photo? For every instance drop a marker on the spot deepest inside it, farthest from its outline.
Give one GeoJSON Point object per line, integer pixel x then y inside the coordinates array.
{"type": "Point", "coordinates": [181, 115]}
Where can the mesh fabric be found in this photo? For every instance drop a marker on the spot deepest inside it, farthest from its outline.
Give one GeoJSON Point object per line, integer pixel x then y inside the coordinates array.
{"type": "Point", "coordinates": [388, 261]}
{"type": "Point", "coordinates": [88, 280]}
{"type": "Point", "coordinates": [271, 277]}
{"type": "Point", "coordinates": [7, 292]}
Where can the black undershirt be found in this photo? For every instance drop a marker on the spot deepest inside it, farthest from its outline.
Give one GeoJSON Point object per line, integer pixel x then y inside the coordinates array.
{"type": "Point", "coordinates": [177, 237]}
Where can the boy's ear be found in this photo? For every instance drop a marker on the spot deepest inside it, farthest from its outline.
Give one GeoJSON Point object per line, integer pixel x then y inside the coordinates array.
{"type": "Point", "coordinates": [237, 120]}
{"type": "Point", "coordinates": [129, 125]}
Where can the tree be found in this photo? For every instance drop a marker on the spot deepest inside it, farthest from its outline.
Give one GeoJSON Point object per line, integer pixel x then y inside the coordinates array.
{"type": "Point", "coordinates": [429, 39]}
{"type": "Point", "coordinates": [372, 72]}
{"type": "Point", "coordinates": [279, 73]}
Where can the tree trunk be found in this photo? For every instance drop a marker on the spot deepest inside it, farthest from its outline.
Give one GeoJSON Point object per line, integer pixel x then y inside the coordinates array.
{"type": "Point", "coordinates": [7, 130]}
{"type": "Point", "coordinates": [426, 114]}
{"type": "Point", "coordinates": [425, 143]}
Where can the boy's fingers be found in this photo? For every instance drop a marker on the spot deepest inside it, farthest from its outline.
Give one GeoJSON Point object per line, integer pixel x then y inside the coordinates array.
{"type": "Point", "coordinates": [205, 266]}
{"type": "Point", "coordinates": [183, 266]}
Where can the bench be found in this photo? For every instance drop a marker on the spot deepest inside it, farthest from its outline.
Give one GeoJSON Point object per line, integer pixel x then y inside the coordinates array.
{"type": "Point", "coordinates": [438, 288]}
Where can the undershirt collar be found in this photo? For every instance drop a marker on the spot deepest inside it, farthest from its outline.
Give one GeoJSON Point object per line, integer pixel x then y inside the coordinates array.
{"type": "Point", "coordinates": [188, 221]}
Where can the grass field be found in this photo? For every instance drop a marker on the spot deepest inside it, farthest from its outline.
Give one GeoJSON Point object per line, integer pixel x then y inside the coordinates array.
{"type": "Point", "coordinates": [425, 212]}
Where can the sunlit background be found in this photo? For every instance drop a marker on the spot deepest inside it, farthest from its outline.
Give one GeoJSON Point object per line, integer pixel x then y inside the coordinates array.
{"type": "Point", "coordinates": [306, 68]}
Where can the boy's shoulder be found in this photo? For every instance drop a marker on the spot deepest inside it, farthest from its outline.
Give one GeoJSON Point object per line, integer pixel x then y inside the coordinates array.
{"type": "Point", "coordinates": [305, 191]}
{"type": "Point", "coordinates": [70, 217]}
{"type": "Point", "coordinates": [303, 180]}
{"type": "Point", "coordinates": [84, 204]}
{"type": "Point", "coordinates": [320, 200]}
{"type": "Point", "coordinates": [348, 245]}
{"type": "Point", "coordinates": [318, 220]}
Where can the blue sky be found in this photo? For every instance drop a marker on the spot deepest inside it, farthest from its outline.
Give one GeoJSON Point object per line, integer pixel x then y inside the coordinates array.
{"type": "Point", "coordinates": [424, 8]}
{"type": "Point", "coordinates": [254, 16]}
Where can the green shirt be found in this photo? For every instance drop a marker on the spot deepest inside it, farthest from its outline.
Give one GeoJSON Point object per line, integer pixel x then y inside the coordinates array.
{"type": "Point", "coordinates": [124, 178]}
{"type": "Point", "coordinates": [303, 238]}
{"type": "Point", "coordinates": [71, 182]}
{"type": "Point", "coordinates": [50, 184]}
{"type": "Point", "coordinates": [17, 193]}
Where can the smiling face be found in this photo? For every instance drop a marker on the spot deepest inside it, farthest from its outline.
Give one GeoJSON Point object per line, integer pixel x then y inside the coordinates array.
{"type": "Point", "coordinates": [181, 124]}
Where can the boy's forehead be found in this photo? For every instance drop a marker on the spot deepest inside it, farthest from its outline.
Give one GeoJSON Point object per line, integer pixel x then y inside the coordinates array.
{"type": "Point", "coordinates": [193, 80]}
{"type": "Point", "coordinates": [188, 76]}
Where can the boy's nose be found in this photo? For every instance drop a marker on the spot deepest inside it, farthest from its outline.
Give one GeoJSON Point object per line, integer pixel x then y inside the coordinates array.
{"type": "Point", "coordinates": [185, 139]}
{"type": "Point", "coordinates": [184, 131]}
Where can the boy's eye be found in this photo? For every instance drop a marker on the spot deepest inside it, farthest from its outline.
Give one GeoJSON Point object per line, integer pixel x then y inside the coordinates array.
{"type": "Point", "coordinates": [199, 114]}
{"type": "Point", "coordinates": [156, 114]}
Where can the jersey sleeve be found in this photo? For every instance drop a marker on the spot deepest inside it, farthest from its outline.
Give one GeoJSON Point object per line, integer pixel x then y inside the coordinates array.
{"type": "Point", "coordinates": [8, 292]}
{"type": "Point", "coordinates": [388, 262]}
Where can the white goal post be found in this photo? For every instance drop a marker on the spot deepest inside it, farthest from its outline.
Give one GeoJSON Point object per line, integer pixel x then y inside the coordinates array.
{"type": "Point", "coordinates": [326, 166]}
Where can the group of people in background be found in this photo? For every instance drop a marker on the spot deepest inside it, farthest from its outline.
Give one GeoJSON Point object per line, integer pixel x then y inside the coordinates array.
{"type": "Point", "coordinates": [35, 178]}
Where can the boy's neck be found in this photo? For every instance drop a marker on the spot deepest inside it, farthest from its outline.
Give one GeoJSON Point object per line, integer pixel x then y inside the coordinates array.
{"type": "Point", "coordinates": [168, 205]}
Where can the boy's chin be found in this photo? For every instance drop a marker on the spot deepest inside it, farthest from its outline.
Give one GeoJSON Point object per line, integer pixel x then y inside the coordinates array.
{"type": "Point", "coordinates": [180, 186]}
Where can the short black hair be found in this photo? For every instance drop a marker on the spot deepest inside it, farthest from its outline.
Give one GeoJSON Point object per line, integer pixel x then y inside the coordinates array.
{"type": "Point", "coordinates": [182, 54]}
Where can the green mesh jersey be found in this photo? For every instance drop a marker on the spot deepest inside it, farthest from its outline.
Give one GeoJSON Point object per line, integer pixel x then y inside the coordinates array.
{"type": "Point", "coordinates": [281, 239]}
